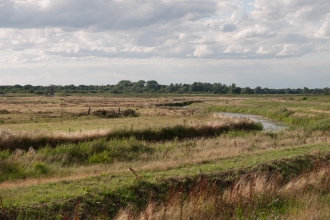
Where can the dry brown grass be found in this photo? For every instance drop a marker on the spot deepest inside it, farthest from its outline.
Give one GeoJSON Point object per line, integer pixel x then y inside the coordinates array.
{"type": "Point", "coordinates": [61, 113]}
{"type": "Point", "coordinates": [253, 196]}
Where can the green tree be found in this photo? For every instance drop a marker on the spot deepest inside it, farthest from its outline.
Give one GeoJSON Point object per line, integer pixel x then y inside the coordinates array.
{"type": "Point", "coordinates": [152, 85]}
{"type": "Point", "coordinates": [258, 90]}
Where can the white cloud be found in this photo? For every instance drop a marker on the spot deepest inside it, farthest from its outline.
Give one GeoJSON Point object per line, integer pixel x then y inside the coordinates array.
{"type": "Point", "coordinates": [254, 31]}
{"type": "Point", "coordinates": [324, 31]}
{"type": "Point", "coordinates": [201, 50]}
{"type": "Point", "coordinates": [237, 49]}
{"type": "Point", "coordinates": [293, 11]}
{"type": "Point", "coordinates": [151, 28]}
{"type": "Point", "coordinates": [45, 31]}
{"type": "Point", "coordinates": [265, 50]}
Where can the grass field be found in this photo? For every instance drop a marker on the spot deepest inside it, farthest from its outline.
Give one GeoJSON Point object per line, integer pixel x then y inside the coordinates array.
{"type": "Point", "coordinates": [155, 157]}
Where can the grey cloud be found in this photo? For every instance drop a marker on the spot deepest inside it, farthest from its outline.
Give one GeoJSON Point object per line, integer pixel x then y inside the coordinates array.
{"type": "Point", "coordinates": [229, 27]}
{"type": "Point", "coordinates": [101, 14]}
{"type": "Point", "coordinates": [170, 29]}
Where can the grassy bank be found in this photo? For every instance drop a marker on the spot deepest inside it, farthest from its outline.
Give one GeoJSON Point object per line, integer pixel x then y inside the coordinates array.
{"type": "Point", "coordinates": [104, 195]}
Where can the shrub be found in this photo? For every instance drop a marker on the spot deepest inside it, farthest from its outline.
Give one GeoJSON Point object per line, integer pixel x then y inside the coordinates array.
{"type": "Point", "coordinates": [40, 167]}
{"type": "Point", "coordinates": [113, 114]}
{"type": "Point", "coordinates": [9, 170]}
{"type": "Point", "coordinates": [129, 112]}
{"type": "Point", "coordinates": [4, 154]}
{"type": "Point", "coordinates": [4, 111]}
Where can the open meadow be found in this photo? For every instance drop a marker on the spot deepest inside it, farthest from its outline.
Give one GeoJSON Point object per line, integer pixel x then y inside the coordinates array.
{"type": "Point", "coordinates": [164, 157]}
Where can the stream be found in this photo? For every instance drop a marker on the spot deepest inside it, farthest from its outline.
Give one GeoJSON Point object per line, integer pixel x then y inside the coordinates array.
{"type": "Point", "coordinates": [267, 123]}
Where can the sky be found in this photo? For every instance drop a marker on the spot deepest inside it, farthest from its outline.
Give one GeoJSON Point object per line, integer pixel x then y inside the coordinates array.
{"type": "Point", "coordinates": [267, 43]}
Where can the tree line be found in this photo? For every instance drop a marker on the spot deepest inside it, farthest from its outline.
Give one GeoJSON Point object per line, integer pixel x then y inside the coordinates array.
{"type": "Point", "coordinates": [152, 86]}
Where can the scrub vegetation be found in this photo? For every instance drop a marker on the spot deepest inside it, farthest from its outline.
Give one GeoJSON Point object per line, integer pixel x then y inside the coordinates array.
{"type": "Point", "coordinates": [164, 157]}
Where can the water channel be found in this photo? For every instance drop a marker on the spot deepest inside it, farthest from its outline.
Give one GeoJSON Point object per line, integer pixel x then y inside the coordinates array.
{"type": "Point", "coordinates": [267, 123]}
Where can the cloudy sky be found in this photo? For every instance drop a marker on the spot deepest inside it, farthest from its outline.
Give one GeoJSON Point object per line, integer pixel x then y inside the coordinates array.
{"type": "Point", "coordinates": [267, 43]}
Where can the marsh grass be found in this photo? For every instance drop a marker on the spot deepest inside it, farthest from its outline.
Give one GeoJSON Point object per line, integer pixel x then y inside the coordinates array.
{"type": "Point", "coordinates": [252, 196]}
{"type": "Point", "coordinates": [85, 174]}
{"type": "Point", "coordinates": [23, 140]}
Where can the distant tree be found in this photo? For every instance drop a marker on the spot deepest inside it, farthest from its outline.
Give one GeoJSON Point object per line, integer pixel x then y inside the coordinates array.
{"type": "Point", "coordinates": [152, 85]}
{"type": "Point", "coordinates": [124, 83]}
{"type": "Point", "coordinates": [305, 90]}
{"type": "Point", "coordinates": [217, 88]}
{"type": "Point", "coordinates": [17, 86]}
{"type": "Point", "coordinates": [236, 90]}
{"type": "Point", "coordinates": [246, 90]}
{"type": "Point", "coordinates": [258, 90]}
{"type": "Point", "coordinates": [140, 83]}
{"type": "Point", "coordinates": [170, 88]}
{"type": "Point", "coordinates": [326, 90]}
{"type": "Point", "coordinates": [27, 87]}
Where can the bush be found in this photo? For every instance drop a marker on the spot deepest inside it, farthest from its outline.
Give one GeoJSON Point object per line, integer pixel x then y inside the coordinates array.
{"type": "Point", "coordinates": [113, 114]}
{"type": "Point", "coordinates": [4, 111]}
{"type": "Point", "coordinates": [40, 167]}
{"type": "Point", "coordinates": [10, 170]}
{"type": "Point", "coordinates": [129, 112]}
{"type": "Point", "coordinates": [4, 154]}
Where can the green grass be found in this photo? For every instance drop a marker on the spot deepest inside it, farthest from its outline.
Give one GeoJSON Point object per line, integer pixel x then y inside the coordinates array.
{"type": "Point", "coordinates": [125, 189]}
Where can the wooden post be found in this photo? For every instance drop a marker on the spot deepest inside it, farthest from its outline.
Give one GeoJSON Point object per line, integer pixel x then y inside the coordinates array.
{"type": "Point", "coordinates": [51, 90]}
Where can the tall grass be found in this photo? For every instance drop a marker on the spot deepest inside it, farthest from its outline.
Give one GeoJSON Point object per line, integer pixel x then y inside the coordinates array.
{"type": "Point", "coordinates": [253, 196]}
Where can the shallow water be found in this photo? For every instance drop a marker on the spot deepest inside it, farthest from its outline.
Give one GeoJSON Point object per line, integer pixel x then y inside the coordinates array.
{"type": "Point", "coordinates": [267, 123]}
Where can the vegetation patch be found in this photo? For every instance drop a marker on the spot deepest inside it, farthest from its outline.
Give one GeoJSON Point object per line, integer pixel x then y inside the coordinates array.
{"type": "Point", "coordinates": [4, 111]}
{"type": "Point", "coordinates": [114, 114]}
